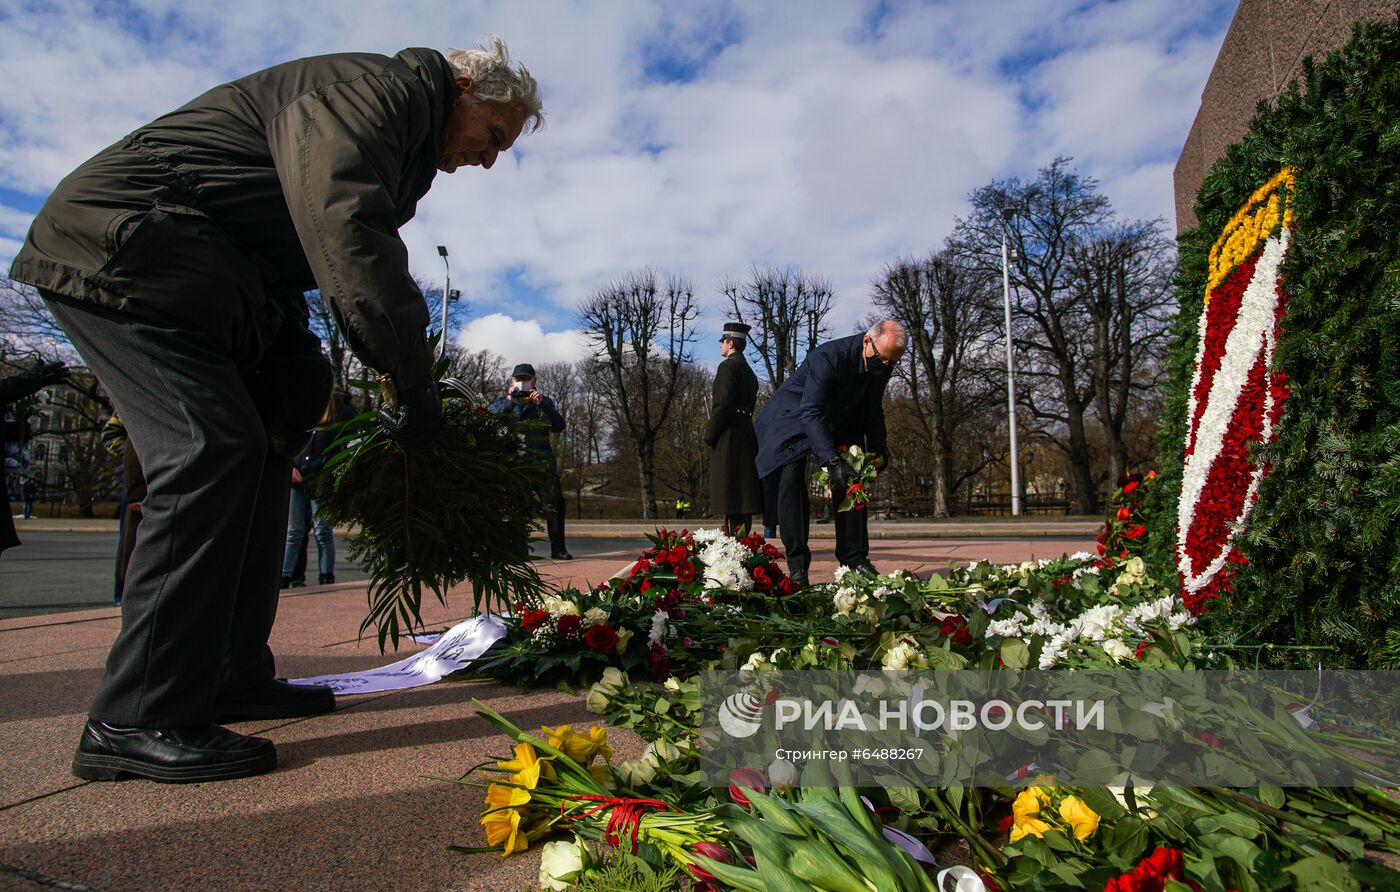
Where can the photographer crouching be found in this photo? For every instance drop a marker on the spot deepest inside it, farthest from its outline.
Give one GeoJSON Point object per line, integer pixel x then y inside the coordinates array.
{"type": "Point", "coordinates": [524, 402]}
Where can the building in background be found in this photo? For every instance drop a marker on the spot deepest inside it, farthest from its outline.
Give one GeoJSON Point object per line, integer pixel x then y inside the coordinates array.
{"type": "Point", "coordinates": [1263, 50]}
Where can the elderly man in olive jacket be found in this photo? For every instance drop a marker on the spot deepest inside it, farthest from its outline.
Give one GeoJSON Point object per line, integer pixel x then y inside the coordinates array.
{"type": "Point", "coordinates": [835, 397]}
{"type": "Point", "coordinates": [176, 260]}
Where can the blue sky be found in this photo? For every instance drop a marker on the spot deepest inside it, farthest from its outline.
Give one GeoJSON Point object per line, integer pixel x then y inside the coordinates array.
{"type": "Point", "coordinates": [699, 138]}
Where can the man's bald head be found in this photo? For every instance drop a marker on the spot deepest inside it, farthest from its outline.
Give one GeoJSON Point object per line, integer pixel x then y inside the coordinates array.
{"type": "Point", "coordinates": [886, 341]}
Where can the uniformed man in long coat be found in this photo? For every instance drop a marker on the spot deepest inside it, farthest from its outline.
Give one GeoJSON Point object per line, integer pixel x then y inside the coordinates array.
{"type": "Point", "coordinates": [176, 260]}
{"type": "Point", "coordinates": [735, 490]}
{"type": "Point", "coordinates": [835, 398]}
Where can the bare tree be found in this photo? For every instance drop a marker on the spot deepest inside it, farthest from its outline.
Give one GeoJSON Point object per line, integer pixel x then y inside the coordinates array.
{"type": "Point", "coordinates": [641, 329]}
{"type": "Point", "coordinates": [1124, 274]}
{"type": "Point", "coordinates": [787, 309]}
{"type": "Point", "coordinates": [483, 370]}
{"type": "Point", "coordinates": [948, 308]}
{"type": "Point", "coordinates": [27, 328]}
{"type": "Point", "coordinates": [682, 458]}
{"type": "Point", "coordinates": [1042, 221]}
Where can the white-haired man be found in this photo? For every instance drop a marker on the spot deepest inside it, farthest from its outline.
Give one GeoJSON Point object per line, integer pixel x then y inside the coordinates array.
{"type": "Point", "coordinates": [176, 260]}
{"type": "Point", "coordinates": [835, 397]}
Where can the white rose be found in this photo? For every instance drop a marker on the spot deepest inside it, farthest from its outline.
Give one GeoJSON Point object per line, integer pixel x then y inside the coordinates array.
{"type": "Point", "coordinates": [899, 656]}
{"type": "Point", "coordinates": [659, 752]}
{"type": "Point", "coordinates": [594, 616]}
{"type": "Point", "coordinates": [614, 679]}
{"type": "Point", "coordinates": [870, 613]}
{"type": "Point", "coordinates": [560, 864]}
{"type": "Point", "coordinates": [1116, 649]}
{"type": "Point", "coordinates": [845, 601]}
{"type": "Point", "coordinates": [672, 684]}
{"type": "Point", "coordinates": [636, 772]}
{"type": "Point", "coordinates": [1135, 567]}
{"type": "Point", "coordinates": [754, 661]}
{"type": "Point", "coordinates": [566, 608]}
{"type": "Point", "coordinates": [598, 699]}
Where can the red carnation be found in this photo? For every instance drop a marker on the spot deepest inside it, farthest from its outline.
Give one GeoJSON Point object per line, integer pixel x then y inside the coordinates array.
{"type": "Point", "coordinates": [531, 620]}
{"type": "Point", "coordinates": [750, 778]}
{"type": "Point", "coordinates": [761, 580]}
{"type": "Point", "coordinates": [601, 638]}
{"type": "Point", "coordinates": [568, 627]}
{"type": "Point", "coordinates": [640, 567]}
{"type": "Point", "coordinates": [1135, 532]}
{"type": "Point", "coordinates": [771, 553]}
{"type": "Point", "coordinates": [1152, 874]}
{"type": "Point", "coordinates": [1125, 512]}
{"type": "Point", "coordinates": [678, 555]}
{"type": "Point", "coordinates": [685, 572]}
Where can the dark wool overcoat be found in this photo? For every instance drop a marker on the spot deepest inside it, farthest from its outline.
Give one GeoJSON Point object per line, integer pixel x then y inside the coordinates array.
{"type": "Point", "coordinates": [219, 215]}
{"type": "Point", "coordinates": [835, 398]}
{"type": "Point", "coordinates": [734, 484]}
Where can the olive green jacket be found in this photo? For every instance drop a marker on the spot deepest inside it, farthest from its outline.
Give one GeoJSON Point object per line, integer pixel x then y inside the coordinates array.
{"type": "Point", "coordinates": [289, 179]}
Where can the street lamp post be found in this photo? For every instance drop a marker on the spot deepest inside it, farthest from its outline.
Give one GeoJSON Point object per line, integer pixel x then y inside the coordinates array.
{"type": "Point", "coordinates": [446, 290]}
{"type": "Point", "coordinates": [1010, 367]}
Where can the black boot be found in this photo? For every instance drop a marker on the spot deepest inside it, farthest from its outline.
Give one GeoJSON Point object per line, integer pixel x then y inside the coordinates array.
{"type": "Point", "coordinates": [170, 755]}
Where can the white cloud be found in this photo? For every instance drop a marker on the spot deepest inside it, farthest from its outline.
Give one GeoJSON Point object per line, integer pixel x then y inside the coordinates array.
{"type": "Point", "coordinates": [811, 134]}
{"type": "Point", "coordinates": [521, 340]}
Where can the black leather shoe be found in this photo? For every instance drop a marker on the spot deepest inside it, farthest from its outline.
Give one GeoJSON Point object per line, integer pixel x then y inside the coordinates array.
{"type": "Point", "coordinates": [326, 579]}
{"type": "Point", "coordinates": [865, 568]}
{"type": "Point", "coordinates": [560, 556]}
{"type": "Point", "coordinates": [286, 582]}
{"type": "Point", "coordinates": [273, 699]}
{"type": "Point", "coordinates": [170, 755]}
{"type": "Point", "coordinates": [799, 578]}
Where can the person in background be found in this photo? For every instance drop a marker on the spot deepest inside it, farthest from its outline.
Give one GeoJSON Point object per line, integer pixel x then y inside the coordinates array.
{"type": "Point", "coordinates": [835, 396]}
{"type": "Point", "coordinates": [524, 402]}
{"type": "Point", "coordinates": [28, 492]}
{"type": "Point", "coordinates": [306, 467]}
{"type": "Point", "coordinates": [117, 443]}
{"type": "Point", "coordinates": [14, 431]}
{"type": "Point", "coordinates": [682, 508]}
{"type": "Point", "coordinates": [735, 490]}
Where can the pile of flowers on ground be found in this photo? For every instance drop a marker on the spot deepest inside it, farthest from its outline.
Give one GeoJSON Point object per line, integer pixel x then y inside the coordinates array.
{"type": "Point", "coordinates": [700, 600]}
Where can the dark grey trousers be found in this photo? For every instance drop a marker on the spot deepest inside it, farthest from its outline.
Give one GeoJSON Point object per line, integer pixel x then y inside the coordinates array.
{"type": "Point", "coordinates": [795, 517]}
{"type": "Point", "coordinates": [201, 588]}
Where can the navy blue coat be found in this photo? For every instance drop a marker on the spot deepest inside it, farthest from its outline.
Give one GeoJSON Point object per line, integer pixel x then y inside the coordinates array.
{"type": "Point", "coordinates": [536, 437]}
{"type": "Point", "coordinates": [832, 399]}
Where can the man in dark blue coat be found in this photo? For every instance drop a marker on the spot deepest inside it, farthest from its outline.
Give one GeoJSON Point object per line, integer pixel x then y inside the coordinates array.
{"type": "Point", "coordinates": [835, 397]}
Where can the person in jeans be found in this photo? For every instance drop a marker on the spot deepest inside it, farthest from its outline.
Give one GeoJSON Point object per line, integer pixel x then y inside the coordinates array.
{"type": "Point", "coordinates": [306, 467]}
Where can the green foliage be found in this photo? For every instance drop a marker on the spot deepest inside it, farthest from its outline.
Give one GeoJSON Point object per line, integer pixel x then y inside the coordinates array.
{"type": "Point", "coordinates": [1322, 543]}
{"type": "Point", "coordinates": [628, 873]}
{"type": "Point", "coordinates": [458, 508]}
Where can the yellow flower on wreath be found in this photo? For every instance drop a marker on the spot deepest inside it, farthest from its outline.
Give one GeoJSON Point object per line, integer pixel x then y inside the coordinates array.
{"type": "Point", "coordinates": [1082, 819]}
{"type": "Point", "coordinates": [503, 829]}
{"type": "Point", "coordinates": [1028, 826]}
{"type": "Point", "coordinates": [1029, 802]}
{"type": "Point", "coordinates": [527, 767]}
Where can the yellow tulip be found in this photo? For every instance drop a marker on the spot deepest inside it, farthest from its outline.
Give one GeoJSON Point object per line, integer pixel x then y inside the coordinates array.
{"type": "Point", "coordinates": [1083, 819]}
{"type": "Point", "coordinates": [1028, 826]}
{"type": "Point", "coordinates": [501, 796]}
{"type": "Point", "coordinates": [1029, 802]}
{"type": "Point", "coordinates": [503, 829]}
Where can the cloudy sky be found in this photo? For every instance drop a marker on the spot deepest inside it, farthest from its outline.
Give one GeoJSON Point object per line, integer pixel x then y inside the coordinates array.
{"type": "Point", "coordinates": [693, 137]}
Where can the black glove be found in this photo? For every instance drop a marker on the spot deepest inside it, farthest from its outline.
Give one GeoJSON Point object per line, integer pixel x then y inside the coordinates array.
{"type": "Point", "coordinates": [419, 416]}
{"type": "Point", "coordinates": [840, 475]}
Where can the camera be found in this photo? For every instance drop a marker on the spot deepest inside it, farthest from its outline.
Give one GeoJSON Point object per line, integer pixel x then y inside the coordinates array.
{"type": "Point", "coordinates": [521, 394]}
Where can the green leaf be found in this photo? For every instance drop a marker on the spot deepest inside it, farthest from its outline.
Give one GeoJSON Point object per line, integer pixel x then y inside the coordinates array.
{"type": "Point", "coordinates": [1322, 874]}
{"type": "Point", "coordinates": [1015, 654]}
